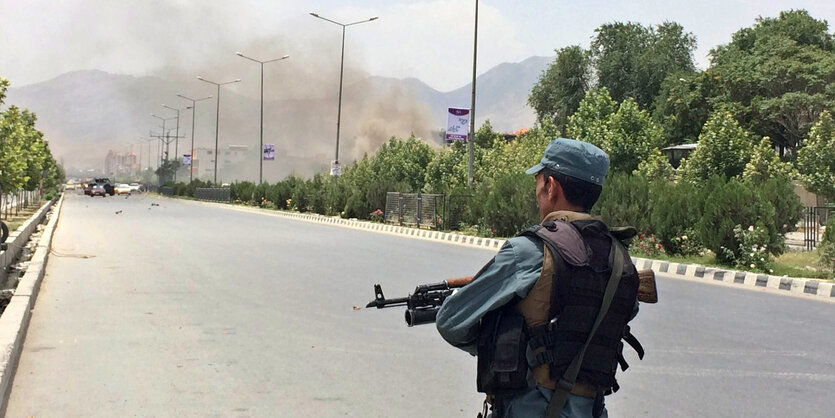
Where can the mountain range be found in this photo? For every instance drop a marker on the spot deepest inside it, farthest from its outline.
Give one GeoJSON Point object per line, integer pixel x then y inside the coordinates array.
{"type": "Point", "coordinates": [85, 113]}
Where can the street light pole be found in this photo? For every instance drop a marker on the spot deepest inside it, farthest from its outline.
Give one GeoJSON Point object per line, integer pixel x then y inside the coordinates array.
{"type": "Point", "coordinates": [176, 136]}
{"type": "Point", "coordinates": [261, 157]}
{"type": "Point", "coordinates": [471, 137]}
{"type": "Point", "coordinates": [193, 105]}
{"type": "Point", "coordinates": [165, 132]}
{"type": "Point", "coordinates": [217, 114]}
{"type": "Point", "coordinates": [341, 69]}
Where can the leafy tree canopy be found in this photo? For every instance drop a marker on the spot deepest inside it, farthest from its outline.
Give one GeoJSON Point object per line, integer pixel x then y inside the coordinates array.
{"type": "Point", "coordinates": [816, 160]}
{"type": "Point", "coordinates": [633, 60]}
{"type": "Point", "coordinates": [562, 86]}
{"type": "Point", "coordinates": [778, 75]}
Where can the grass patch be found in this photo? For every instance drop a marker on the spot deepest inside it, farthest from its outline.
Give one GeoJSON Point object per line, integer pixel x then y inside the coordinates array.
{"type": "Point", "coordinates": [793, 264]}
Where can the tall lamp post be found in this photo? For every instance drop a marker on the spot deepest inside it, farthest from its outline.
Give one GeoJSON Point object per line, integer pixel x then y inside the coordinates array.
{"type": "Point", "coordinates": [217, 113]}
{"type": "Point", "coordinates": [341, 68]}
{"type": "Point", "coordinates": [261, 158]}
{"type": "Point", "coordinates": [176, 136]}
{"type": "Point", "coordinates": [471, 138]}
{"type": "Point", "coordinates": [164, 132]}
{"type": "Point", "coordinates": [193, 105]}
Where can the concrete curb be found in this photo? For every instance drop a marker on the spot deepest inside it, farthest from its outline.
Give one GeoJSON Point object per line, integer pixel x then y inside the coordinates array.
{"type": "Point", "coordinates": [18, 238]}
{"type": "Point", "coordinates": [811, 287]}
{"type": "Point", "coordinates": [425, 234]}
{"type": "Point", "coordinates": [15, 319]}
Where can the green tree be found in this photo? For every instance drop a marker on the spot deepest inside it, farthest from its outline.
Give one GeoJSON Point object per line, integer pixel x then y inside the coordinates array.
{"type": "Point", "coordinates": [816, 159]}
{"type": "Point", "coordinates": [764, 164]}
{"type": "Point", "coordinates": [562, 86]}
{"type": "Point", "coordinates": [12, 140]}
{"type": "Point", "coordinates": [683, 105]}
{"type": "Point", "coordinates": [632, 137]}
{"type": "Point", "coordinates": [633, 60]}
{"type": "Point", "coordinates": [590, 122]}
{"type": "Point", "coordinates": [778, 76]}
{"type": "Point", "coordinates": [656, 167]}
{"type": "Point", "coordinates": [485, 136]}
{"type": "Point", "coordinates": [724, 149]}
{"type": "Point", "coordinates": [627, 133]}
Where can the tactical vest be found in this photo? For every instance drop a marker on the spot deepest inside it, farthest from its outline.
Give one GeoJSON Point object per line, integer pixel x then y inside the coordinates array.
{"type": "Point", "coordinates": [535, 339]}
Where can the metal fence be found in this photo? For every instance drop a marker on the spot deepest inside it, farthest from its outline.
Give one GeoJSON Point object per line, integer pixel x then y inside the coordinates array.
{"type": "Point", "coordinates": [414, 209]}
{"type": "Point", "coordinates": [213, 194]}
{"type": "Point", "coordinates": [813, 218]}
{"type": "Point", "coordinates": [166, 191]}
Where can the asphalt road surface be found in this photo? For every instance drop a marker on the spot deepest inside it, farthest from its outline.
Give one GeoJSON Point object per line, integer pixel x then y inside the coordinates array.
{"type": "Point", "coordinates": [193, 310]}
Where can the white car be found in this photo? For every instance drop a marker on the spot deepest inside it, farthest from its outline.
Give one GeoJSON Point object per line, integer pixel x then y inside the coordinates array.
{"type": "Point", "coordinates": [135, 187]}
{"type": "Point", "coordinates": [122, 189]}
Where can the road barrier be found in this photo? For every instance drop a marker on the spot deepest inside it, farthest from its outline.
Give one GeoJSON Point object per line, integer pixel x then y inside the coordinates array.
{"type": "Point", "coordinates": [213, 194]}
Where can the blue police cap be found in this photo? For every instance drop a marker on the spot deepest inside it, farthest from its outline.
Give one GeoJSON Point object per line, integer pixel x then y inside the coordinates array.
{"type": "Point", "coordinates": [577, 159]}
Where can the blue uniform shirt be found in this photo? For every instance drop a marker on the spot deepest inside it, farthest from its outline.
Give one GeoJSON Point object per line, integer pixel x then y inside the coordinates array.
{"type": "Point", "coordinates": [514, 271]}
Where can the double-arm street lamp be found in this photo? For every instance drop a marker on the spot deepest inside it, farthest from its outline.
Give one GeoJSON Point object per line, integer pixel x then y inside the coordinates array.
{"type": "Point", "coordinates": [164, 132]}
{"type": "Point", "coordinates": [341, 68]}
{"type": "Point", "coordinates": [193, 105]}
{"type": "Point", "coordinates": [261, 158]}
{"type": "Point", "coordinates": [176, 134]}
{"type": "Point", "coordinates": [217, 113]}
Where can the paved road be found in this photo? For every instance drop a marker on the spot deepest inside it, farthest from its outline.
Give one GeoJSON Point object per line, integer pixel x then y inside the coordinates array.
{"type": "Point", "coordinates": [190, 310]}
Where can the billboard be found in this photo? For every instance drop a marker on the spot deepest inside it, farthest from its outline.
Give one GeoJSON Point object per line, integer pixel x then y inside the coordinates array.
{"type": "Point", "coordinates": [458, 124]}
{"type": "Point", "coordinates": [269, 152]}
{"type": "Point", "coordinates": [186, 159]}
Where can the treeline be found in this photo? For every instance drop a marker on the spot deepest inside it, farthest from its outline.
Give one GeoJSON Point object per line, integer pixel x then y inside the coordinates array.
{"type": "Point", "coordinates": [775, 77]}
{"type": "Point", "coordinates": [26, 161]}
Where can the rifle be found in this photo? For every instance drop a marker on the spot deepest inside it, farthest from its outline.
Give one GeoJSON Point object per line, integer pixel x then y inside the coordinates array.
{"type": "Point", "coordinates": [422, 305]}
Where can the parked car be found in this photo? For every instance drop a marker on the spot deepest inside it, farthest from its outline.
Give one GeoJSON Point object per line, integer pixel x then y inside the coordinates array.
{"type": "Point", "coordinates": [135, 187]}
{"type": "Point", "coordinates": [98, 190]}
{"type": "Point", "coordinates": [122, 189]}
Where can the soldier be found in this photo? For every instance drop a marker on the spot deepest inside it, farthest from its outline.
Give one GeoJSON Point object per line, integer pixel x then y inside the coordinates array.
{"type": "Point", "coordinates": [529, 312]}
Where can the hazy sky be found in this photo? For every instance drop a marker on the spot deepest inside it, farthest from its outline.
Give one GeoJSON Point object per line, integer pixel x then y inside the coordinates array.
{"type": "Point", "coordinates": [427, 39]}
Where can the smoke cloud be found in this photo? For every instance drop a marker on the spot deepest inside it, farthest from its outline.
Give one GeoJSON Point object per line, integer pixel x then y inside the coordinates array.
{"type": "Point", "coordinates": [169, 44]}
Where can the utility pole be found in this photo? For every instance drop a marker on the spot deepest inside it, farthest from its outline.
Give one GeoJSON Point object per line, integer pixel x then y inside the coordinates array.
{"type": "Point", "coordinates": [261, 151]}
{"type": "Point", "coordinates": [192, 107]}
{"type": "Point", "coordinates": [217, 115]}
{"type": "Point", "coordinates": [471, 137]}
{"type": "Point", "coordinates": [341, 69]}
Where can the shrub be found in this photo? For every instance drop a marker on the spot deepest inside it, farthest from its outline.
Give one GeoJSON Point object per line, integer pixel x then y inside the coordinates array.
{"type": "Point", "coordinates": [301, 196]}
{"type": "Point", "coordinates": [376, 216]}
{"type": "Point", "coordinates": [780, 192]}
{"type": "Point", "coordinates": [625, 201]}
{"type": "Point", "coordinates": [242, 191]}
{"type": "Point", "coordinates": [508, 203]}
{"type": "Point", "coordinates": [826, 249]}
{"type": "Point", "coordinates": [752, 252]}
{"type": "Point", "coordinates": [646, 246]}
{"type": "Point", "coordinates": [727, 205]}
{"type": "Point", "coordinates": [676, 213]}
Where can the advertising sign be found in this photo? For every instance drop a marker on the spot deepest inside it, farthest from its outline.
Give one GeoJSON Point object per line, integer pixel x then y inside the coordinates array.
{"type": "Point", "coordinates": [186, 159]}
{"type": "Point", "coordinates": [269, 152]}
{"type": "Point", "coordinates": [458, 124]}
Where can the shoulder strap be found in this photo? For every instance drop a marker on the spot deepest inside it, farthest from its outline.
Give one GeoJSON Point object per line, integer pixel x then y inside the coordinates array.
{"type": "Point", "coordinates": [566, 383]}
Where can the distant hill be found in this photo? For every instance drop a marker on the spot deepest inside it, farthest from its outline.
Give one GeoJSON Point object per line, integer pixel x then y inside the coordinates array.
{"type": "Point", "coordinates": [85, 113]}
